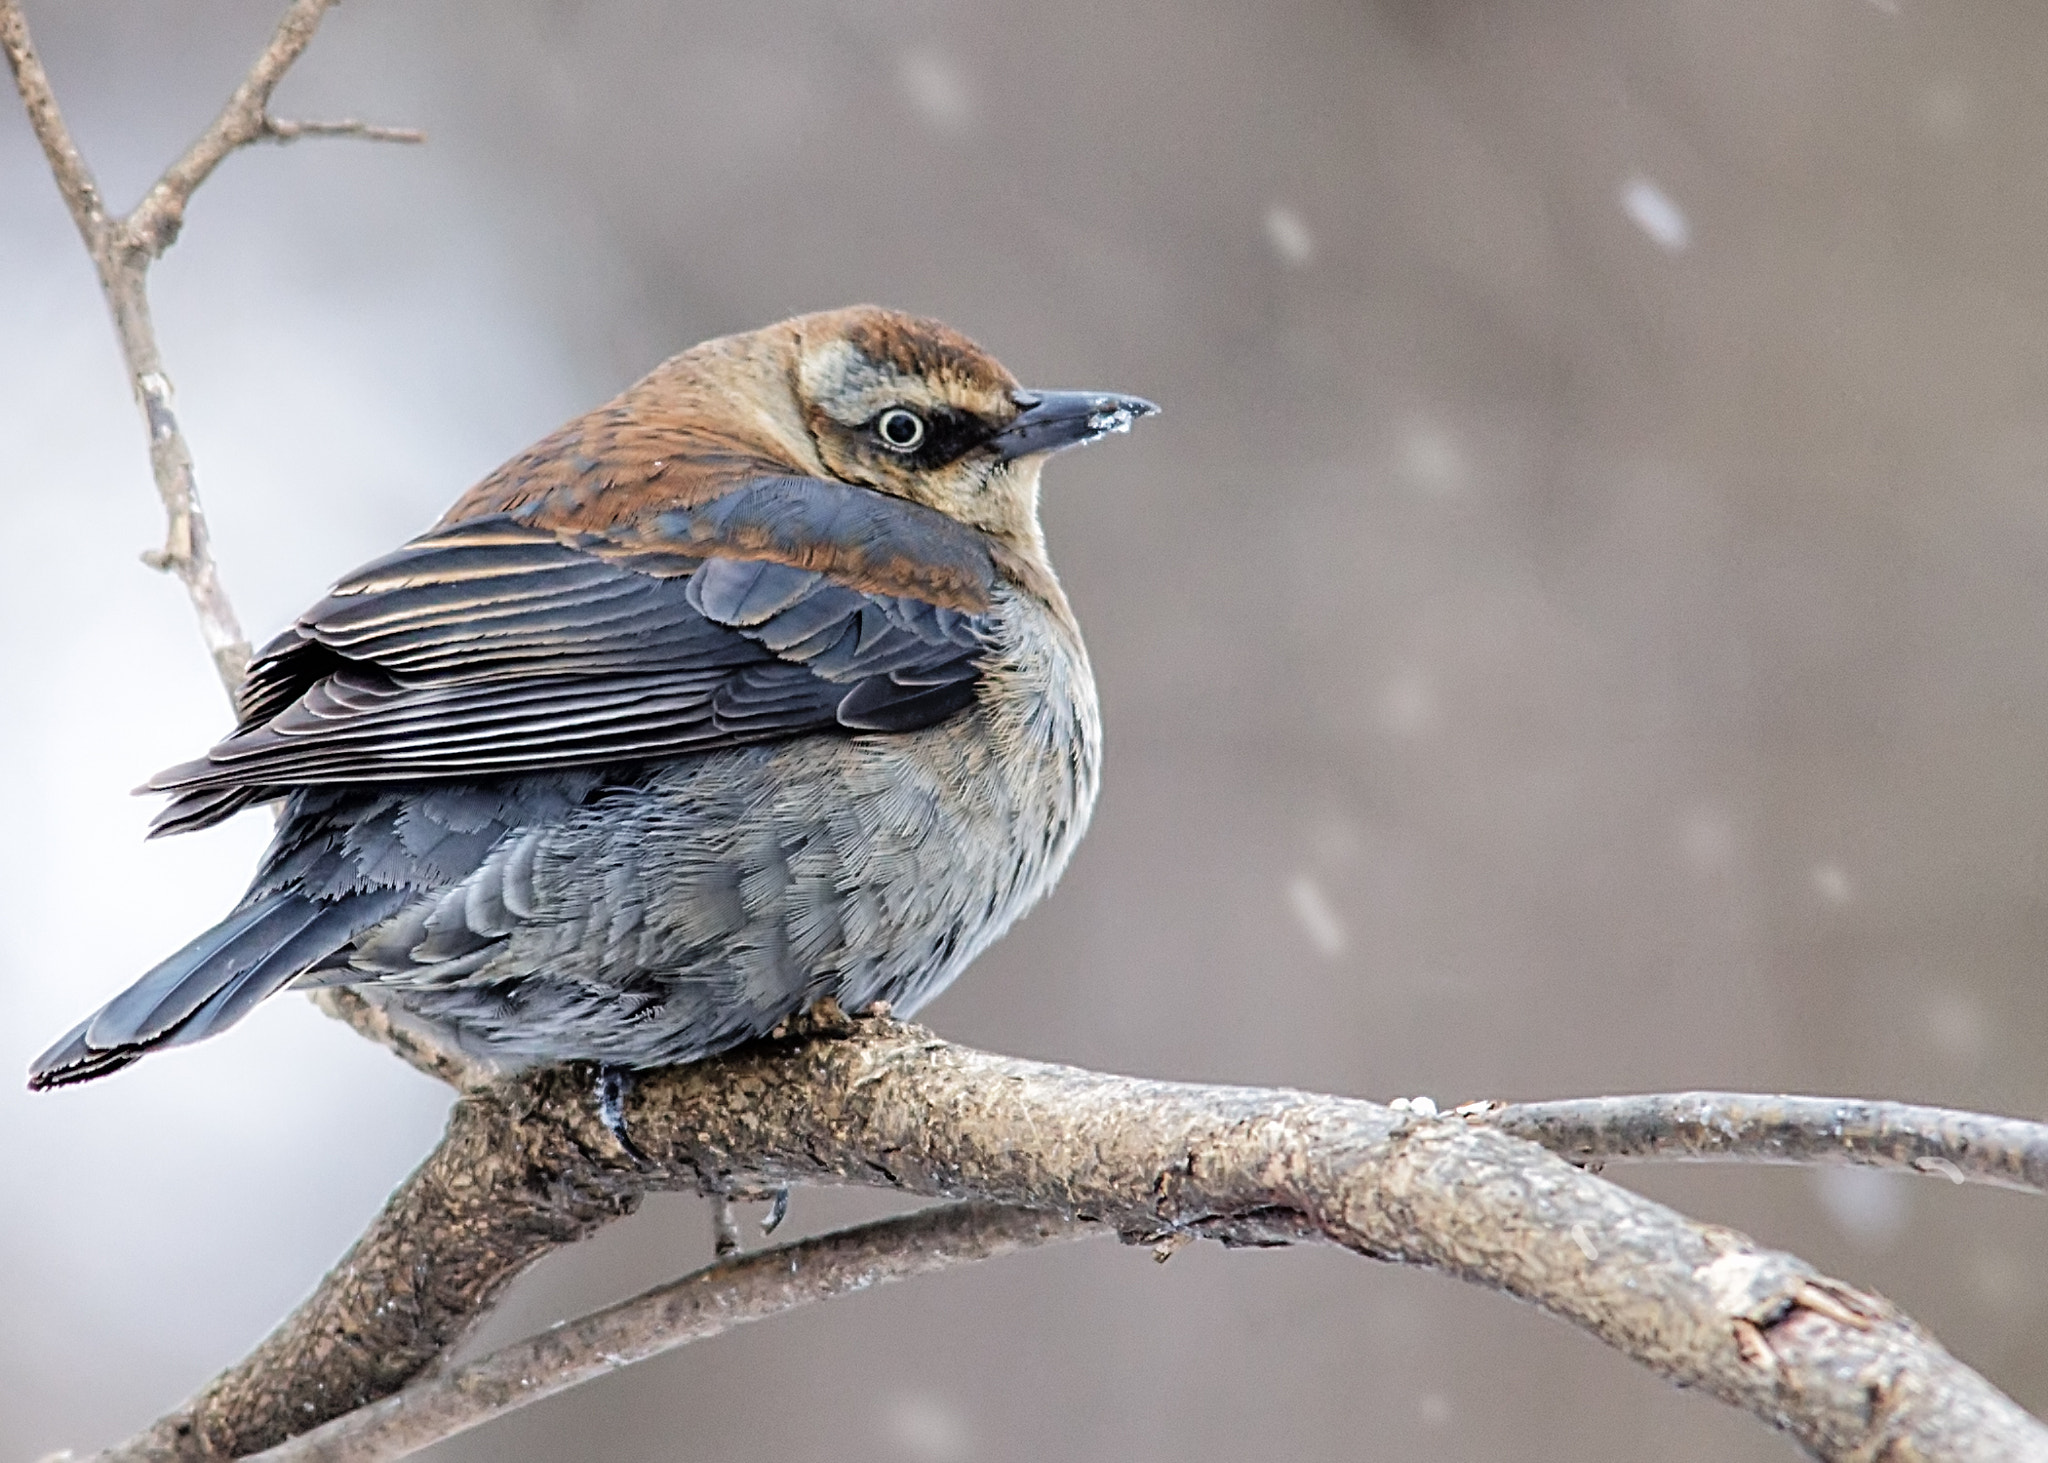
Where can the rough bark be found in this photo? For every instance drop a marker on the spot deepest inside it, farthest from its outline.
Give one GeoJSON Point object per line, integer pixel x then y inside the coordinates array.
{"type": "Point", "coordinates": [1743, 1127]}
{"type": "Point", "coordinates": [886, 1104]}
{"type": "Point", "coordinates": [735, 1290]}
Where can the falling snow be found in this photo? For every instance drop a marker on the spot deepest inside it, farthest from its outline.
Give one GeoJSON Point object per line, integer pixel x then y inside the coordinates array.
{"type": "Point", "coordinates": [1288, 235]}
{"type": "Point", "coordinates": [1866, 1205]}
{"type": "Point", "coordinates": [1317, 918]}
{"type": "Point", "coordinates": [928, 1429]}
{"type": "Point", "coordinates": [1430, 459]}
{"type": "Point", "coordinates": [1831, 882]}
{"type": "Point", "coordinates": [935, 86]}
{"type": "Point", "coordinates": [1650, 209]}
{"type": "Point", "coordinates": [1407, 705]}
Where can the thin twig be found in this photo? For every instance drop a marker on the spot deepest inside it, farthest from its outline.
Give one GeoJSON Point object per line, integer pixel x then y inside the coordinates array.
{"type": "Point", "coordinates": [156, 220]}
{"type": "Point", "coordinates": [730, 1293]}
{"type": "Point", "coordinates": [278, 130]}
{"type": "Point", "coordinates": [1744, 1127]}
{"type": "Point", "coordinates": [528, 1166]}
{"type": "Point", "coordinates": [122, 250]}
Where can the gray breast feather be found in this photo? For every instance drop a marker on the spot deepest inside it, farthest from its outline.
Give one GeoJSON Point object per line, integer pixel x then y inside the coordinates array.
{"type": "Point", "coordinates": [696, 906]}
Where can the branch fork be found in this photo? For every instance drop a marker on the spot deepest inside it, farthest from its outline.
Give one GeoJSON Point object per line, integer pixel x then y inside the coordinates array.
{"type": "Point", "coordinates": [122, 249]}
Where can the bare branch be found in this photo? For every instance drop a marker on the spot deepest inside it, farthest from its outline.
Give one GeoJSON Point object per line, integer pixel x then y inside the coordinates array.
{"type": "Point", "coordinates": [154, 224]}
{"type": "Point", "coordinates": [278, 130]}
{"type": "Point", "coordinates": [528, 1166]}
{"type": "Point", "coordinates": [188, 547]}
{"type": "Point", "coordinates": [730, 1293]}
{"type": "Point", "coordinates": [1738, 1127]}
{"type": "Point", "coordinates": [504, 1187]}
{"type": "Point", "coordinates": [67, 163]}
{"type": "Point", "coordinates": [122, 250]}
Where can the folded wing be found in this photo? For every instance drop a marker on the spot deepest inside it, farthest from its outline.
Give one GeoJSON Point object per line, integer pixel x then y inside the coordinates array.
{"type": "Point", "coordinates": [491, 647]}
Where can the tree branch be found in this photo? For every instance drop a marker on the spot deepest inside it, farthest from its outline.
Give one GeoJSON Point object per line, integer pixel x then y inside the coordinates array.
{"type": "Point", "coordinates": [528, 1166]}
{"type": "Point", "coordinates": [123, 268]}
{"type": "Point", "coordinates": [1740, 1127]}
{"type": "Point", "coordinates": [153, 226]}
{"type": "Point", "coordinates": [706, 1303]}
{"type": "Point", "coordinates": [67, 164]}
{"type": "Point", "coordinates": [122, 250]}
{"type": "Point", "coordinates": [276, 129]}
{"type": "Point", "coordinates": [405, 1038]}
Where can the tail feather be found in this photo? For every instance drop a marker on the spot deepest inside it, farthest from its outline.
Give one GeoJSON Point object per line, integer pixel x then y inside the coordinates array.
{"type": "Point", "coordinates": [331, 928]}
{"type": "Point", "coordinates": [71, 1060]}
{"type": "Point", "coordinates": [149, 1009]}
{"type": "Point", "coordinates": [211, 983]}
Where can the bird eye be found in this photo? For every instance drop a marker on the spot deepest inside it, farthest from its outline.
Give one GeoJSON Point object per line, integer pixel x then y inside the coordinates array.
{"type": "Point", "coordinates": [900, 430]}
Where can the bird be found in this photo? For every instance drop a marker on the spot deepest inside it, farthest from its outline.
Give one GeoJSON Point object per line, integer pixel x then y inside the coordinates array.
{"type": "Point", "coordinates": [751, 688]}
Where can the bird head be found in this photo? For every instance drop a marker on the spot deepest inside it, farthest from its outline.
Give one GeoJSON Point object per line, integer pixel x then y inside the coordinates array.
{"type": "Point", "coordinates": [913, 408]}
{"type": "Point", "coordinates": [868, 396]}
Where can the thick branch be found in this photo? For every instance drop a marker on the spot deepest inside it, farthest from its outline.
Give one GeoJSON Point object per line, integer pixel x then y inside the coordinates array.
{"type": "Point", "coordinates": [710, 1301]}
{"type": "Point", "coordinates": [504, 1187]}
{"type": "Point", "coordinates": [894, 1107]}
{"type": "Point", "coordinates": [409, 1041]}
{"type": "Point", "coordinates": [1739, 1127]}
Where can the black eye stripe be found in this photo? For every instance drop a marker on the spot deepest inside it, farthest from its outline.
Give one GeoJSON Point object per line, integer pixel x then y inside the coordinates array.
{"type": "Point", "coordinates": [948, 432]}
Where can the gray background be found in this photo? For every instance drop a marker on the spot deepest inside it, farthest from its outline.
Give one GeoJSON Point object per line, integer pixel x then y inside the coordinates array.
{"type": "Point", "coordinates": [1576, 628]}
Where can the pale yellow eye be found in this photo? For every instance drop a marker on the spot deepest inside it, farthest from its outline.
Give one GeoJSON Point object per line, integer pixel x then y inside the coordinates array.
{"type": "Point", "coordinates": [900, 429]}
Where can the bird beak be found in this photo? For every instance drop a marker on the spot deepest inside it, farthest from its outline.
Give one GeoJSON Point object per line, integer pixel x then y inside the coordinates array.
{"type": "Point", "coordinates": [1053, 420]}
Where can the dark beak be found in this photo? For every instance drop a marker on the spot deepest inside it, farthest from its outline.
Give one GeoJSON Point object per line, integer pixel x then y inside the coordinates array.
{"type": "Point", "coordinates": [1052, 420]}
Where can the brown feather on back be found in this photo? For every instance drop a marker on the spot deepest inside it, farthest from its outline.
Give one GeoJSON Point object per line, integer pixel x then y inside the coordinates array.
{"type": "Point", "coordinates": [734, 411]}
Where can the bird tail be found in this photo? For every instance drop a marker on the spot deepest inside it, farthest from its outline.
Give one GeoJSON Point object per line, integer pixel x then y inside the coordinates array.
{"type": "Point", "coordinates": [211, 983]}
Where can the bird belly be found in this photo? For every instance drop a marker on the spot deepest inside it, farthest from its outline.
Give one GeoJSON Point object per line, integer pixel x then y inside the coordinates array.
{"type": "Point", "coordinates": [697, 905]}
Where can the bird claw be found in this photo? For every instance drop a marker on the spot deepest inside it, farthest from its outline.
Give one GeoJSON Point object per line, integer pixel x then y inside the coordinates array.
{"type": "Point", "coordinates": [614, 1085]}
{"type": "Point", "coordinates": [725, 1232]}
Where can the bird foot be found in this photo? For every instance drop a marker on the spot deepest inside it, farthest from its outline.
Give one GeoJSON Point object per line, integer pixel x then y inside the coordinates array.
{"type": "Point", "coordinates": [725, 1230]}
{"type": "Point", "coordinates": [614, 1086]}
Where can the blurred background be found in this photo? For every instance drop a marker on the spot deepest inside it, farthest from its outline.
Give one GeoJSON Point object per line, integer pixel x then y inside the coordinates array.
{"type": "Point", "coordinates": [1577, 628]}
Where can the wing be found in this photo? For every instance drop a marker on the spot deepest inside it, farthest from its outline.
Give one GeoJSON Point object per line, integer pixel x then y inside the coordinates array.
{"type": "Point", "coordinates": [491, 647]}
